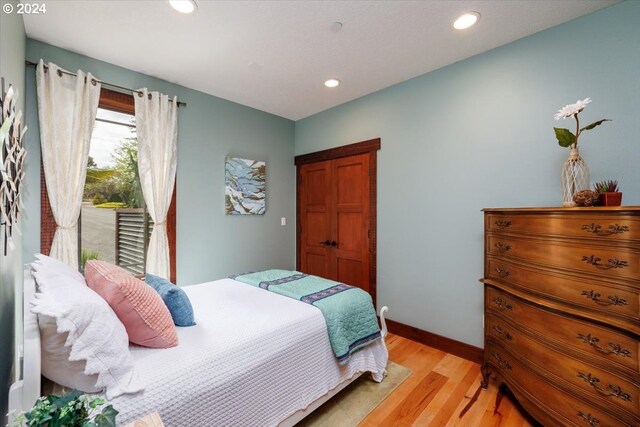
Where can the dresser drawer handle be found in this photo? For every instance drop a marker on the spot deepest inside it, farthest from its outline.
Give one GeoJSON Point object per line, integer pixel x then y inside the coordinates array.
{"type": "Point", "coordinates": [502, 333]}
{"type": "Point", "coordinates": [612, 229]}
{"type": "Point", "coordinates": [612, 263]}
{"type": "Point", "coordinates": [502, 247]}
{"type": "Point", "coordinates": [612, 391]}
{"type": "Point", "coordinates": [503, 223]}
{"type": "Point", "coordinates": [612, 299]}
{"type": "Point", "coordinates": [590, 419]}
{"type": "Point", "coordinates": [503, 304]}
{"type": "Point", "coordinates": [503, 363]}
{"type": "Point", "coordinates": [613, 347]}
{"type": "Point", "coordinates": [502, 273]}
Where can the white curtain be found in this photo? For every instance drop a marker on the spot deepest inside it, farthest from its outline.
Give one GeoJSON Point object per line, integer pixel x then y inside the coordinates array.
{"type": "Point", "coordinates": [67, 107]}
{"type": "Point", "coordinates": [157, 132]}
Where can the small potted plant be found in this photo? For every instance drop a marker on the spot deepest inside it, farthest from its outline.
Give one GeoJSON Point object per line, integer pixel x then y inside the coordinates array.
{"type": "Point", "coordinates": [73, 409]}
{"type": "Point", "coordinates": [608, 193]}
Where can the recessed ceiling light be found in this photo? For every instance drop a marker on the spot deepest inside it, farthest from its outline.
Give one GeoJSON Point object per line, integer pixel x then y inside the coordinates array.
{"type": "Point", "coordinates": [332, 83]}
{"type": "Point", "coordinates": [466, 20]}
{"type": "Point", "coordinates": [184, 6]}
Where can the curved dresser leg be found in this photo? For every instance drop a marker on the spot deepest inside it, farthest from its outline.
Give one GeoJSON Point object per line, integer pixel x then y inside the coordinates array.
{"type": "Point", "coordinates": [484, 369]}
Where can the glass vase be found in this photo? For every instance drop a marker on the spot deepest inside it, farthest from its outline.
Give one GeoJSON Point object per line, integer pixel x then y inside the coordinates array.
{"type": "Point", "coordinates": [575, 177]}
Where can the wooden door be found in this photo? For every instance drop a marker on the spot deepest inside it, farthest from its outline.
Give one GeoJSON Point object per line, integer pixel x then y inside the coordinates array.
{"type": "Point", "coordinates": [350, 220]}
{"type": "Point", "coordinates": [314, 193]}
{"type": "Point", "coordinates": [334, 215]}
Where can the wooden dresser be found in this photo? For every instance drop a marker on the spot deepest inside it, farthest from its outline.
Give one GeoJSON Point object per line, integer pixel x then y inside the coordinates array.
{"type": "Point", "coordinates": [562, 318]}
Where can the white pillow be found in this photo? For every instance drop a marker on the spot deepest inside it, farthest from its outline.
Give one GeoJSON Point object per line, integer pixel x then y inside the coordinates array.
{"type": "Point", "coordinates": [55, 355]}
{"type": "Point", "coordinates": [55, 359]}
{"type": "Point", "coordinates": [52, 264]}
{"type": "Point", "coordinates": [94, 342]}
{"type": "Point", "coordinates": [50, 267]}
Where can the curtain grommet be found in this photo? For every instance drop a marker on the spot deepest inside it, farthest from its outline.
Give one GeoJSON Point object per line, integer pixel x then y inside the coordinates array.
{"type": "Point", "coordinates": [59, 73]}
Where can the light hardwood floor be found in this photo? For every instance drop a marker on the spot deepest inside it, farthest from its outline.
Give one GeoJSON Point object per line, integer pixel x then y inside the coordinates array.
{"type": "Point", "coordinates": [437, 391]}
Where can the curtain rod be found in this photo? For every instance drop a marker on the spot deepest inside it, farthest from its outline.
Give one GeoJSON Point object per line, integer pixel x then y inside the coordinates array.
{"type": "Point", "coordinates": [33, 64]}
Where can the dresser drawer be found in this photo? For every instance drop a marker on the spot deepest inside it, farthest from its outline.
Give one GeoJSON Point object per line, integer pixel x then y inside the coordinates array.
{"type": "Point", "coordinates": [558, 407]}
{"type": "Point", "coordinates": [591, 378]}
{"type": "Point", "coordinates": [608, 345]}
{"type": "Point", "coordinates": [606, 300]}
{"type": "Point", "coordinates": [594, 260]}
{"type": "Point", "coordinates": [601, 227]}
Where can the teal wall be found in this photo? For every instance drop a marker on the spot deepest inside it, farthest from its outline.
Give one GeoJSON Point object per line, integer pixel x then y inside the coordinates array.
{"type": "Point", "coordinates": [479, 133]}
{"type": "Point", "coordinates": [12, 54]}
{"type": "Point", "coordinates": [210, 245]}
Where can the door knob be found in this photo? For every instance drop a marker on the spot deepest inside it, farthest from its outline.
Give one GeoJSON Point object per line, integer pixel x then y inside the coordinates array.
{"type": "Point", "coordinates": [326, 243]}
{"type": "Point", "coordinates": [334, 243]}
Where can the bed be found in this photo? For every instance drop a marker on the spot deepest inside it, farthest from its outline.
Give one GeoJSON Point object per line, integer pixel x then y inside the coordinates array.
{"type": "Point", "coordinates": [254, 358]}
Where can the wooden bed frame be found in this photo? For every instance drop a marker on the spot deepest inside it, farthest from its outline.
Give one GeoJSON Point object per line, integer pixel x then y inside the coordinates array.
{"type": "Point", "coordinates": [23, 393]}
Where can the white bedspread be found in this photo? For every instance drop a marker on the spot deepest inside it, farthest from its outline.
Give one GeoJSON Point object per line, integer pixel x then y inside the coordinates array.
{"type": "Point", "coordinates": [253, 359]}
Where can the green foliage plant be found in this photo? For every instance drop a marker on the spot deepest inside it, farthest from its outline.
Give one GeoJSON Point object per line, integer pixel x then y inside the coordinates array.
{"type": "Point", "coordinates": [111, 205]}
{"type": "Point", "coordinates": [609, 186]}
{"type": "Point", "coordinates": [73, 409]}
{"type": "Point", "coordinates": [119, 182]}
{"type": "Point", "coordinates": [99, 199]}
{"type": "Point", "coordinates": [126, 178]}
{"type": "Point", "coordinates": [86, 255]}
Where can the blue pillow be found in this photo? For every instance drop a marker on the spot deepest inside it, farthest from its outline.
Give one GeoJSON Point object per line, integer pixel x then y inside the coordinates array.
{"type": "Point", "coordinates": [174, 298]}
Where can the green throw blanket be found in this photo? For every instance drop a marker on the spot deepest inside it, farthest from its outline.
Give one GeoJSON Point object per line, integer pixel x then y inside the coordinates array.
{"type": "Point", "coordinates": [348, 311]}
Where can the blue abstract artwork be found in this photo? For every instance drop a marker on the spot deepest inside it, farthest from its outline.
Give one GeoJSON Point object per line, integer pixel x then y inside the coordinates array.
{"type": "Point", "coordinates": [246, 185]}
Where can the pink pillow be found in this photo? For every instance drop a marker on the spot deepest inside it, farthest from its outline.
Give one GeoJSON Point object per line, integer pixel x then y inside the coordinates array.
{"type": "Point", "coordinates": [139, 308]}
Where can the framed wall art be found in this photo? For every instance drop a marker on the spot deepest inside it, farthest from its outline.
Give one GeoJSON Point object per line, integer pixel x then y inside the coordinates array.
{"type": "Point", "coordinates": [246, 186]}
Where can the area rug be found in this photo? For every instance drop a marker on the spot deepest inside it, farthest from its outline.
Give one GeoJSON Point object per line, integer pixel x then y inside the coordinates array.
{"type": "Point", "coordinates": [355, 402]}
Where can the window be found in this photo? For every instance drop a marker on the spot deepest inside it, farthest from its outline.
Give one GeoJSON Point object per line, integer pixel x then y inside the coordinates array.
{"type": "Point", "coordinates": [114, 225]}
{"type": "Point", "coordinates": [113, 219]}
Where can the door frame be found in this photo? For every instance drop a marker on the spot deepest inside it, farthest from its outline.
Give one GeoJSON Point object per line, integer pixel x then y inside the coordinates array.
{"type": "Point", "coordinates": [370, 146]}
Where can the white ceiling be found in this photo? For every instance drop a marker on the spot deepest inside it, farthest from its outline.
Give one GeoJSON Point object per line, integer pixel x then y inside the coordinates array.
{"type": "Point", "coordinates": [276, 55]}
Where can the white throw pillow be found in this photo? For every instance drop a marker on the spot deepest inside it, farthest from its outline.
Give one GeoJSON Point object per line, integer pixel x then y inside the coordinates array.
{"type": "Point", "coordinates": [81, 335]}
{"type": "Point", "coordinates": [55, 359]}
{"type": "Point", "coordinates": [57, 266]}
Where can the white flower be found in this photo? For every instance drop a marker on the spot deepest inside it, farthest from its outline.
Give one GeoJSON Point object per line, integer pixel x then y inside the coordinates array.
{"type": "Point", "coordinates": [572, 109]}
